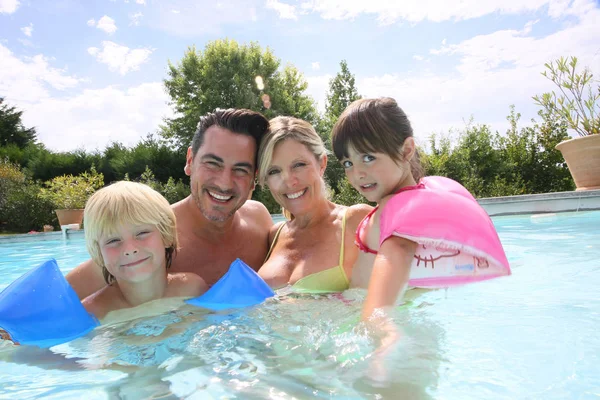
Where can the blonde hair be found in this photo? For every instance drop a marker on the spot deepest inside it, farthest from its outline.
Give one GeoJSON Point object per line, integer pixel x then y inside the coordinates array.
{"type": "Point", "coordinates": [281, 129]}
{"type": "Point", "coordinates": [127, 203]}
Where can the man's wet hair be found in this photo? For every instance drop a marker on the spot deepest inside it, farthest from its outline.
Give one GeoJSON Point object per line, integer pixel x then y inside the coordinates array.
{"type": "Point", "coordinates": [237, 120]}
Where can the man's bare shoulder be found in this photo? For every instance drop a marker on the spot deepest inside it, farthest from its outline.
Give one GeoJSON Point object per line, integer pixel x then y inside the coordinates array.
{"type": "Point", "coordinates": [103, 301]}
{"type": "Point", "coordinates": [256, 212]}
{"type": "Point", "coordinates": [186, 284]}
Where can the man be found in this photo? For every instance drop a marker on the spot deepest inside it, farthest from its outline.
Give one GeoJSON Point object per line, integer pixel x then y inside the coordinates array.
{"type": "Point", "coordinates": [216, 223]}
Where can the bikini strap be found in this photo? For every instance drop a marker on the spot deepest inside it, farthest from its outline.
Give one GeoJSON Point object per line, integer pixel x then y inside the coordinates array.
{"type": "Point", "coordinates": [341, 263]}
{"type": "Point", "coordinates": [274, 241]}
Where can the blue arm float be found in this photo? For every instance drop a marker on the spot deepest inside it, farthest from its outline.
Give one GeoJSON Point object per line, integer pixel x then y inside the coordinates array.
{"type": "Point", "coordinates": [239, 287]}
{"type": "Point", "coordinates": [42, 309]}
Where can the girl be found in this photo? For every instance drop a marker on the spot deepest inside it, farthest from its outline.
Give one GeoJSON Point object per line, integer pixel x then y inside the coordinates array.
{"type": "Point", "coordinates": [432, 232]}
{"type": "Point", "coordinates": [130, 232]}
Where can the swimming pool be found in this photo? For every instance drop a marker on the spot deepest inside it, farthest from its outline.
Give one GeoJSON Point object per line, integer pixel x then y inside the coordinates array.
{"type": "Point", "coordinates": [530, 335]}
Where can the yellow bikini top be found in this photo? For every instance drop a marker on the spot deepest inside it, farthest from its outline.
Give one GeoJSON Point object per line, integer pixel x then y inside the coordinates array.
{"type": "Point", "coordinates": [327, 281]}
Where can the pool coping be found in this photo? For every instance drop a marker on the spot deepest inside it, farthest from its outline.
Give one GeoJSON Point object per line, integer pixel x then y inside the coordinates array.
{"type": "Point", "coordinates": [557, 202]}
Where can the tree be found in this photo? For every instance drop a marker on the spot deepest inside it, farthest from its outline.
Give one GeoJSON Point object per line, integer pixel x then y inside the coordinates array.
{"type": "Point", "coordinates": [227, 74]}
{"type": "Point", "coordinates": [12, 130]}
{"type": "Point", "coordinates": [342, 91]}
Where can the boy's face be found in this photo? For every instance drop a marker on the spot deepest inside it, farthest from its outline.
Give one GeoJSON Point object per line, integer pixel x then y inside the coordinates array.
{"type": "Point", "coordinates": [133, 253]}
{"type": "Point", "coordinates": [221, 172]}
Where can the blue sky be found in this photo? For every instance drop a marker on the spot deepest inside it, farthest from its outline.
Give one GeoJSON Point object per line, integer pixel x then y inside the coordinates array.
{"type": "Point", "coordinates": [90, 72]}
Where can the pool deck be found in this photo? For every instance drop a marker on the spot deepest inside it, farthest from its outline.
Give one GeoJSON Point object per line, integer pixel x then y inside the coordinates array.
{"type": "Point", "coordinates": [558, 202]}
{"type": "Point", "coordinates": [585, 200]}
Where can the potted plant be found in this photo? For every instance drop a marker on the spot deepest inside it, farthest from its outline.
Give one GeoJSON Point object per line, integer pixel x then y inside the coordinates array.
{"type": "Point", "coordinates": [577, 103]}
{"type": "Point", "coordinates": [69, 194]}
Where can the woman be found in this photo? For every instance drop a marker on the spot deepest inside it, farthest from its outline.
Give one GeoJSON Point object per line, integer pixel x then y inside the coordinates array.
{"type": "Point", "coordinates": [314, 249]}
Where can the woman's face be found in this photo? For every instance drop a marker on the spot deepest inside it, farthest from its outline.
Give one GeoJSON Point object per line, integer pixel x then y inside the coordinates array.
{"type": "Point", "coordinates": [294, 177]}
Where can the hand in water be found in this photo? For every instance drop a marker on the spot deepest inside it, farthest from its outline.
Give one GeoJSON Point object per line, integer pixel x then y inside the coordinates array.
{"type": "Point", "coordinates": [384, 327]}
{"type": "Point", "coordinates": [6, 336]}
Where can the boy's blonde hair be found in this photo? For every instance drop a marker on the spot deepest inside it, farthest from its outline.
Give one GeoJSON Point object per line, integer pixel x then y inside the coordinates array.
{"type": "Point", "coordinates": [127, 203]}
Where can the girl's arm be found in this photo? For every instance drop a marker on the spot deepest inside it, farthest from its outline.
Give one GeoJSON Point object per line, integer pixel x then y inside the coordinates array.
{"type": "Point", "coordinates": [390, 274]}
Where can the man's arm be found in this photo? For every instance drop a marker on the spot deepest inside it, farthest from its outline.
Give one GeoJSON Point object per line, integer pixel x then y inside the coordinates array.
{"type": "Point", "coordinates": [86, 279]}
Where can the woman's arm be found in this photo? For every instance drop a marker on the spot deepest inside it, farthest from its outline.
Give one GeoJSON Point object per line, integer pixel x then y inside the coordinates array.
{"type": "Point", "coordinates": [390, 274]}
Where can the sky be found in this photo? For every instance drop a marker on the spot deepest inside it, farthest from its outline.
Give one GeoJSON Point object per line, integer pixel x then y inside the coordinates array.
{"type": "Point", "coordinates": [90, 72]}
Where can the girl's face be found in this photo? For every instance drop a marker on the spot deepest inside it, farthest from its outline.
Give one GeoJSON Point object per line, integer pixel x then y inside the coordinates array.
{"type": "Point", "coordinates": [376, 175]}
{"type": "Point", "coordinates": [294, 176]}
{"type": "Point", "coordinates": [133, 253]}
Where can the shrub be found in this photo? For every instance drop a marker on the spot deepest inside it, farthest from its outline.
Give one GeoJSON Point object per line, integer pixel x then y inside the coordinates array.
{"type": "Point", "coordinates": [72, 192]}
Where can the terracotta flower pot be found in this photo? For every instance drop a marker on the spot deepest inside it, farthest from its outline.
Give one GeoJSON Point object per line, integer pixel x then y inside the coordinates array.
{"type": "Point", "coordinates": [69, 216]}
{"type": "Point", "coordinates": [582, 155]}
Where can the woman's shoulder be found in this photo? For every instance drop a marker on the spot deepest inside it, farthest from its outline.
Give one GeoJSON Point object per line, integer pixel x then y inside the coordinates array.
{"type": "Point", "coordinates": [355, 213]}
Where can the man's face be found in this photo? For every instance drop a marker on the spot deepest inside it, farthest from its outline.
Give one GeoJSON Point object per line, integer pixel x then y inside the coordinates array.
{"type": "Point", "coordinates": [221, 173]}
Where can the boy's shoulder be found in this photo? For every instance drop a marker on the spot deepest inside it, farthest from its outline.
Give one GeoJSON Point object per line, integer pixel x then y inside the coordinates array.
{"type": "Point", "coordinates": [185, 284]}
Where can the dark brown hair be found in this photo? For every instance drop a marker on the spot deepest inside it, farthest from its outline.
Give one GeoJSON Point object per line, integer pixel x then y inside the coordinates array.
{"type": "Point", "coordinates": [242, 121]}
{"type": "Point", "coordinates": [374, 126]}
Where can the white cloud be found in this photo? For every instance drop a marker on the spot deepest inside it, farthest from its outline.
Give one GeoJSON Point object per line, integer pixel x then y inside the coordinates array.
{"type": "Point", "coordinates": [418, 57]}
{"type": "Point", "coordinates": [317, 89]}
{"type": "Point", "coordinates": [195, 18]}
{"type": "Point", "coordinates": [120, 58]}
{"type": "Point", "coordinates": [8, 6]}
{"type": "Point", "coordinates": [389, 12]}
{"type": "Point", "coordinates": [27, 30]}
{"type": "Point", "coordinates": [135, 19]}
{"type": "Point", "coordinates": [96, 117]}
{"type": "Point", "coordinates": [30, 78]}
{"type": "Point", "coordinates": [493, 72]}
{"type": "Point", "coordinates": [25, 42]}
{"type": "Point", "coordinates": [143, 2]}
{"type": "Point", "coordinates": [89, 119]}
{"type": "Point", "coordinates": [285, 11]}
{"type": "Point", "coordinates": [315, 66]}
{"type": "Point", "coordinates": [91, 22]}
{"type": "Point", "coordinates": [107, 24]}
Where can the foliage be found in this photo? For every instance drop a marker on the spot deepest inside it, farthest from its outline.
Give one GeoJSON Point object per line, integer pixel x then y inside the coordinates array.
{"type": "Point", "coordinates": [226, 74]}
{"type": "Point", "coordinates": [173, 190]}
{"type": "Point", "coordinates": [21, 207]}
{"type": "Point", "coordinates": [72, 192]}
{"type": "Point", "coordinates": [12, 130]}
{"type": "Point", "coordinates": [263, 195]}
{"type": "Point", "coordinates": [578, 102]}
{"type": "Point", "coordinates": [25, 210]}
{"type": "Point", "coordinates": [11, 176]}
{"type": "Point", "coordinates": [348, 195]}
{"type": "Point", "coordinates": [342, 91]}
{"type": "Point", "coordinates": [521, 161]}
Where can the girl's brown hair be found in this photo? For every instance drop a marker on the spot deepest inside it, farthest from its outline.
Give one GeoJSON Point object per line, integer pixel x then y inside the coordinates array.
{"type": "Point", "coordinates": [374, 126]}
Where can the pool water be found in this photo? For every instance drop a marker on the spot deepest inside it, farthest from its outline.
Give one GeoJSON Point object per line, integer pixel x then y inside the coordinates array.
{"type": "Point", "coordinates": [532, 335]}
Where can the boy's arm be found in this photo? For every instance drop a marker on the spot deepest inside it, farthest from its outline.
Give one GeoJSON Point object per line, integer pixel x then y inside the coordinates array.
{"type": "Point", "coordinates": [86, 279]}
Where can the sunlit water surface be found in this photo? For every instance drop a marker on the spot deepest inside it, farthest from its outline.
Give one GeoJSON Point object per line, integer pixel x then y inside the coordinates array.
{"type": "Point", "coordinates": [531, 335]}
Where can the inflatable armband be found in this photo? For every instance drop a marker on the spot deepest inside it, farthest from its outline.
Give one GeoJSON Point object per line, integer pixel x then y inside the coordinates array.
{"type": "Point", "coordinates": [42, 309]}
{"type": "Point", "coordinates": [239, 287]}
{"type": "Point", "coordinates": [458, 242]}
